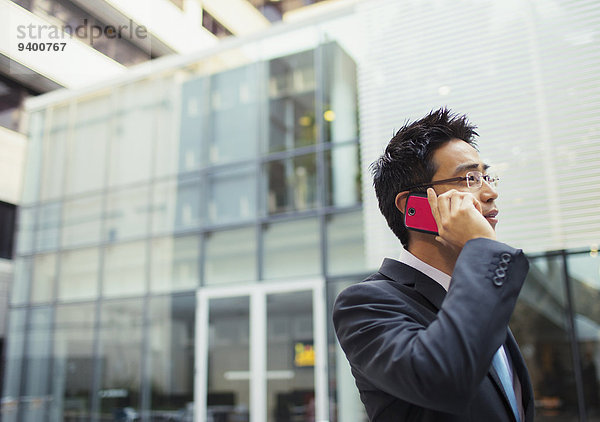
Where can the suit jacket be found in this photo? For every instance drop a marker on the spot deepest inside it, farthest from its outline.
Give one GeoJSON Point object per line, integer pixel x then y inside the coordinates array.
{"type": "Point", "coordinates": [419, 354]}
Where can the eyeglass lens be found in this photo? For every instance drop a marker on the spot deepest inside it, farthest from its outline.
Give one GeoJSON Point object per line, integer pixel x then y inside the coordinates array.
{"type": "Point", "coordinates": [475, 180]}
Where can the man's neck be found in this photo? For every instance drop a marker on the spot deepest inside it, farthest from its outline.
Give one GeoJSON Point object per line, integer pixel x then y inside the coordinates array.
{"type": "Point", "coordinates": [434, 254]}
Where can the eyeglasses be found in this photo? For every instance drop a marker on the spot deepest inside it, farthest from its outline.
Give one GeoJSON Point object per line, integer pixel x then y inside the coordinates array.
{"type": "Point", "coordinates": [474, 181]}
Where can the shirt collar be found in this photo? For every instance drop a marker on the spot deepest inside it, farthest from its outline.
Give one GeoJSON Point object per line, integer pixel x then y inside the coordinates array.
{"type": "Point", "coordinates": [412, 261]}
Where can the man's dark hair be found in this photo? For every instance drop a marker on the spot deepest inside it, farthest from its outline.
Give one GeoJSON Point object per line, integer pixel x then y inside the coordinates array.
{"type": "Point", "coordinates": [407, 160]}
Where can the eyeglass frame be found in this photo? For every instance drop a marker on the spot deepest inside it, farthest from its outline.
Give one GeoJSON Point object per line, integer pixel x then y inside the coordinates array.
{"type": "Point", "coordinates": [485, 177]}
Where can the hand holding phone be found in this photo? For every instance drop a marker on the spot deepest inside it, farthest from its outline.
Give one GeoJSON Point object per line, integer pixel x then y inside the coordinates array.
{"type": "Point", "coordinates": [461, 217]}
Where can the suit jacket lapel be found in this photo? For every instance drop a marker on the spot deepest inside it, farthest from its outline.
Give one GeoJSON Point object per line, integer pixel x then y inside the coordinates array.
{"type": "Point", "coordinates": [427, 287]}
{"type": "Point", "coordinates": [520, 370]}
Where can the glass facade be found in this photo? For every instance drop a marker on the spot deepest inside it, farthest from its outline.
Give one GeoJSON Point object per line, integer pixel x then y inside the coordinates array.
{"type": "Point", "coordinates": [140, 197]}
{"type": "Point", "coordinates": [73, 361]}
{"type": "Point", "coordinates": [556, 325]}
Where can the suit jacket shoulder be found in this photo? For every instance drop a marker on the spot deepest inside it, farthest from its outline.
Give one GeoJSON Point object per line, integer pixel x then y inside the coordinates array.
{"type": "Point", "coordinates": [416, 349]}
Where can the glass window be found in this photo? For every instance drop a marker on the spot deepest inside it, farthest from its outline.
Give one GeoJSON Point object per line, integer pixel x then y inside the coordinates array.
{"type": "Point", "coordinates": [166, 151]}
{"type": "Point", "coordinates": [120, 362]}
{"type": "Point", "coordinates": [59, 117]}
{"type": "Point", "coordinates": [291, 249]}
{"type": "Point", "coordinates": [38, 364]}
{"type": "Point", "coordinates": [230, 256]}
{"type": "Point", "coordinates": [21, 280]}
{"type": "Point", "coordinates": [145, 93]}
{"type": "Point", "coordinates": [81, 221]}
{"type": "Point", "coordinates": [44, 277]}
{"type": "Point", "coordinates": [584, 271]}
{"type": "Point", "coordinates": [228, 397]}
{"type": "Point", "coordinates": [25, 230]}
{"type": "Point", "coordinates": [89, 140]}
{"type": "Point", "coordinates": [33, 161]}
{"type": "Point", "coordinates": [346, 405]}
{"type": "Point", "coordinates": [340, 102]}
{"type": "Point", "coordinates": [125, 270]}
{"type": "Point", "coordinates": [48, 228]}
{"type": "Point", "coordinates": [127, 214]}
{"type": "Point", "coordinates": [290, 357]}
{"type": "Point", "coordinates": [94, 109]}
{"type": "Point", "coordinates": [176, 206]}
{"type": "Point", "coordinates": [345, 244]}
{"type": "Point", "coordinates": [174, 263]}
{"type": "Point", "coordinates": [53, 157]}
{"type": "Point", "coordinates": [73, 362]}
{"type": "Point", "coordinates": [234, 96]}
{"type": "Point", "coordinates": [194, 112]}
{"type": "Point", "coordinates": [13, 364]}
{"type": "Point", "coordinates": [79, 274]}
{"type": "Point", "coordinates": [292, 102]}
{"type": "Point", "coordinates": [292, 122]}
{"type": "Point", "coordinates": [540, 325]}
{"type": "Point", "coordinates": [131, 146]}
{"type": "Point", "coordinates": [232, 195]}
{"type": "Point", "coordinates": [342, 165]}
{"type": "Point", "coordinates": [292, 184]}
{"type": "Point", "coordinates": [170, 370]}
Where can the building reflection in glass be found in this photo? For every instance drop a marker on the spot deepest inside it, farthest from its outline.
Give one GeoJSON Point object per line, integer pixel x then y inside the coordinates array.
{"type": "Point", "coordinates": [564, 374]}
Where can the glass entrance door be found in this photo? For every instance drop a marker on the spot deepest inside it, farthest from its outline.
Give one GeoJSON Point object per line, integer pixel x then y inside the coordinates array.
{"type": "Point", "coordinates": [290, 357]}
{"type": "Point", "coordinates": [260, 353]}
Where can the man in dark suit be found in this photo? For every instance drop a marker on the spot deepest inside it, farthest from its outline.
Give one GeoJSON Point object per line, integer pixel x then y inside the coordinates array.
{"type": "Point", "coordinates": [427, 336]}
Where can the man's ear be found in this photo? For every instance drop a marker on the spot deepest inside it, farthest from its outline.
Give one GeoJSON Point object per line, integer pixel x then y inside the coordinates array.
{"type": "Point", "coordinates": [401, 201]}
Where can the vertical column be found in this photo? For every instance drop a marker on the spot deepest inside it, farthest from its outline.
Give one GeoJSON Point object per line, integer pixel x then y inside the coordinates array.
{"type": "Point", "coordinates": [320, 341]}
{"type": "Point", "coordinates": [201, 361]}
{"type": "Point", "coordinates": [258, 356]}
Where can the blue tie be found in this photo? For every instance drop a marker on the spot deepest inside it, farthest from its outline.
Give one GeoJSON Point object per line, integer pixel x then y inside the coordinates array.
{"type": "Point", "coordinates": [502, 370]}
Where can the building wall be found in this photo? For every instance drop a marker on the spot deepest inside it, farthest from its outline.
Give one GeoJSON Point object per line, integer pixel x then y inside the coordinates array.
{"type": "Point", "coordinates": [525, 73]}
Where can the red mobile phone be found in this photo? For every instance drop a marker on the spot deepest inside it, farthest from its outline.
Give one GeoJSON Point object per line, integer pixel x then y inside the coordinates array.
{"type": "Point", "coordinates": [418, 215]}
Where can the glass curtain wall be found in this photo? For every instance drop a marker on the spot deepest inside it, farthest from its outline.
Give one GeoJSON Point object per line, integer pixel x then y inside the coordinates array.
{"type": "Point", "coordinates": [584, 281]}
{"type": "Point", "coordinates": [139, 194]}
{"type": "Point", "coordinates": [556, 325]}
{"type": "Point", "coordinates": [73, 362]}
{"type": "Point", "coordinates": [169, 358]}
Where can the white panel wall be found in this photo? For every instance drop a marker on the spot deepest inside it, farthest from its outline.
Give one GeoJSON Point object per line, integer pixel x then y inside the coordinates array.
{"type": "Point", "coordinates": [526, 73]}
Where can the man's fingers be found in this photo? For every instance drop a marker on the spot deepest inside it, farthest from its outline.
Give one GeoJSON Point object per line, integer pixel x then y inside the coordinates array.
{"type": "Point", "coordinates": [433, 203]}
{"type": "Point", "coordinates": [456, 202]}
{"type": "Point", "coordinates": [444, 205]}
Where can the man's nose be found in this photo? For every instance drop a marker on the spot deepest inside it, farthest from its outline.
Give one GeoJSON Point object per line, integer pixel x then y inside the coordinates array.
{"type": "Point", "coordinates": [488, 192]}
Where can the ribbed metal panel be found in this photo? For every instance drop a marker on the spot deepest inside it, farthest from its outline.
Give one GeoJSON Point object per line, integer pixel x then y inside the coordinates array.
{"type": "Point", "coordinates": [527, 73]}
